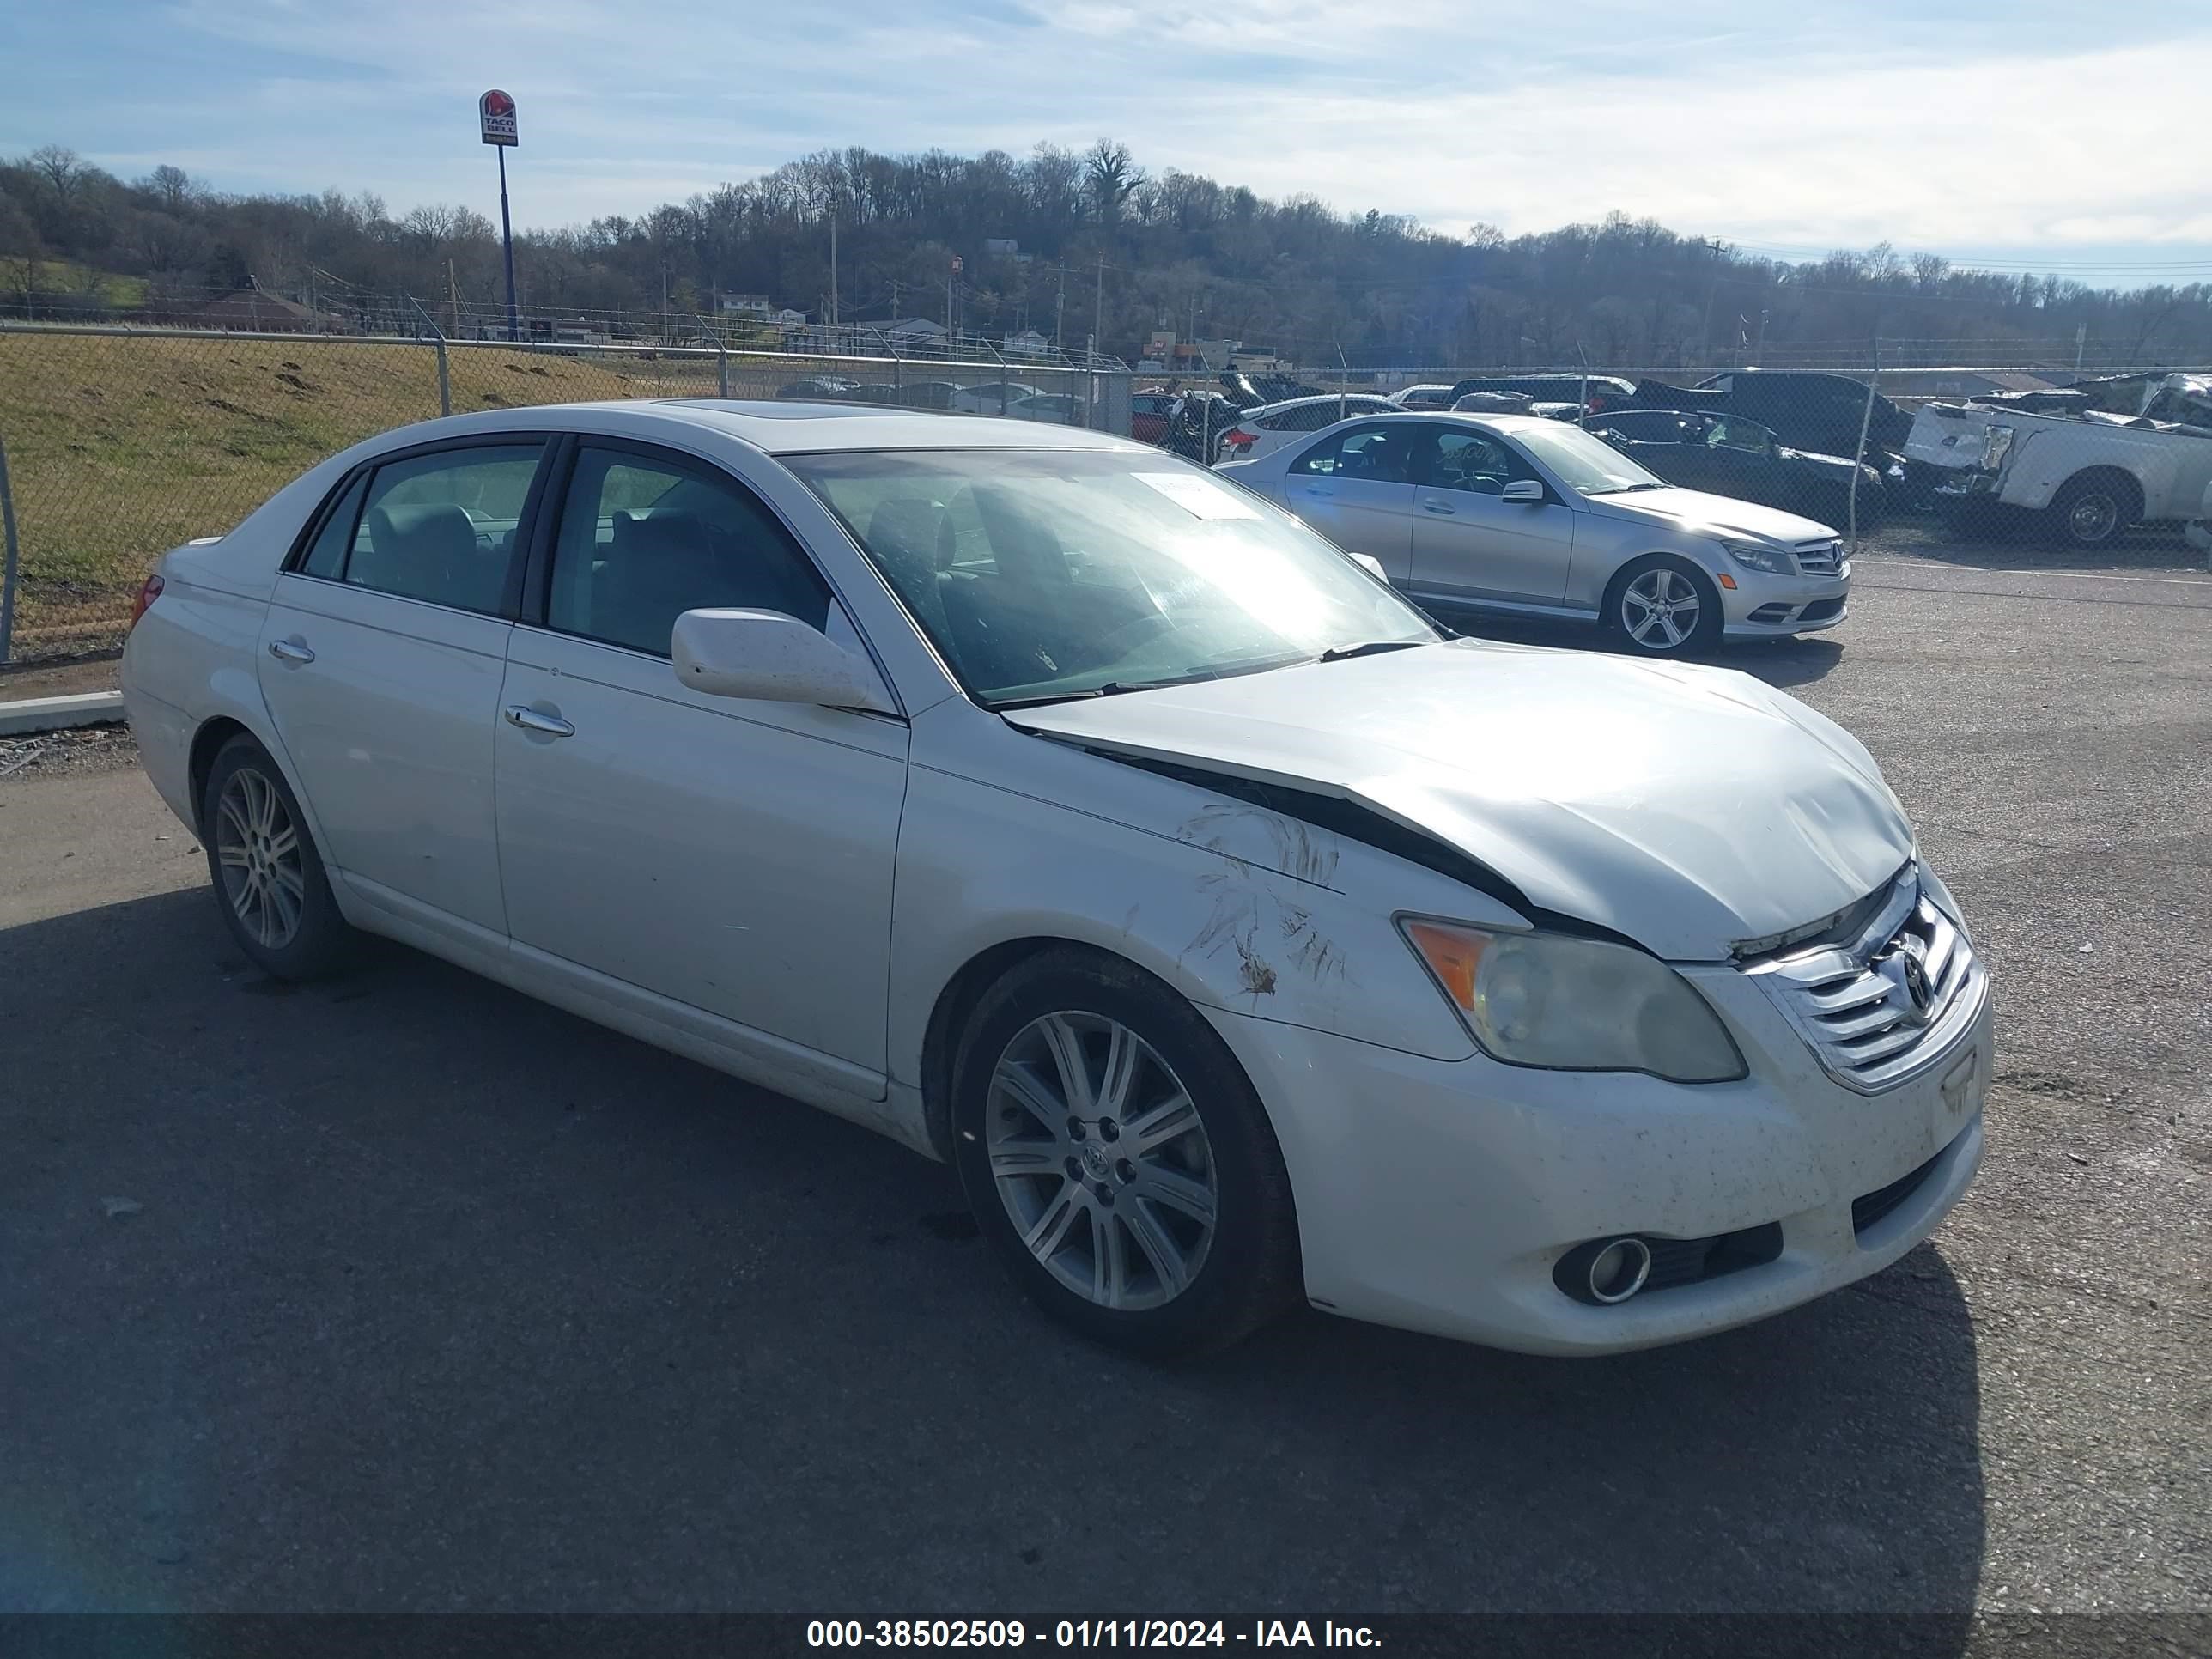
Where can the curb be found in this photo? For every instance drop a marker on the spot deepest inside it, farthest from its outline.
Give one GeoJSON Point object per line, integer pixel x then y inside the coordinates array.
{"type": "Point", "coordinates": [34, 715]}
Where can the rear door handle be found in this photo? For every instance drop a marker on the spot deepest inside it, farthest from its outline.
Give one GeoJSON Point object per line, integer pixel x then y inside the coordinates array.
{"type": "Point", "coordinates": [1434, 505]}
{"type": "Point", "coordinates": [290, 651]}
{"type": "Point", "coordinates": [531, 721]}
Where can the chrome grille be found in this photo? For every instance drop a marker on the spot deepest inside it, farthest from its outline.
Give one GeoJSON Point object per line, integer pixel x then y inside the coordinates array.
{"type": "Point", "coordinates": [1819, 558]}
{"type": "Point", "coordinates": [1854, 1004]}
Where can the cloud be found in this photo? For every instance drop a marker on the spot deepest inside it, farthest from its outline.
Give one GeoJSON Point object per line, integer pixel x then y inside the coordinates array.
{"type": "Point", "coordinates": [2052, 126]}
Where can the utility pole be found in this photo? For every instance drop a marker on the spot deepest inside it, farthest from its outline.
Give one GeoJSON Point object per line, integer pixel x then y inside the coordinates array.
{"type": "Point", "coordinates": [1059, 312]}
{"type": "Point", "coordinates": [454, 299]}
{"type": "Point", "coordinates": [896, 286]}
{"type": "Point", "coordinates": [833, 264]}
{"type": "Point", "coordinates": [1098, 308]}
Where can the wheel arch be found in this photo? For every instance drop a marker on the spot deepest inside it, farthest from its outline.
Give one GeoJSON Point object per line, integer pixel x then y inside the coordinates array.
{"type": "Point", "coordinates": [2116, 476]}
{"type": "Point", "coordinates": [207, 744]}
{"type": "Point", "coordinates": [957, 1000]}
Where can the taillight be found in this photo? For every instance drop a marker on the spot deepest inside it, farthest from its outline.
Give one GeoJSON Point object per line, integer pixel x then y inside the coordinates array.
{"type": "Point", "coordinates": [147, 595]}
{"type": "Point", "coordinates": [1238, 437]}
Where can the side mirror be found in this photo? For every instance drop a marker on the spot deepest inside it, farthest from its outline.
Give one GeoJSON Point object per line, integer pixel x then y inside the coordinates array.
{"type": "Point", "coordinates": [767, 655]}
{"type": "Point", "coordinates": [1526, 491]}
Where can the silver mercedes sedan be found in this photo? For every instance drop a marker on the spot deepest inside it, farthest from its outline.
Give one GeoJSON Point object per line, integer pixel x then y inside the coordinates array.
{"type": "Point", "coordinates": [1513, 514]}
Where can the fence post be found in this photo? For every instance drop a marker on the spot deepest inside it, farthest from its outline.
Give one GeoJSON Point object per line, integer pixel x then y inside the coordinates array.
{"type": "Point", "coordinates": [6, 570]}
{"type": "Point", "coordinates": [1858, 460]}
{"type": "Point", "coordinates": [438, 339]}
{"type": "Point", "coordinates": [721, 356]}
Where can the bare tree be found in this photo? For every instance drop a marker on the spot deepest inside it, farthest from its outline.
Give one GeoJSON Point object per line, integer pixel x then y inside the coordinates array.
{"type": "Point", "coordinates": [63, 170]}
{"type": "Point", "coordinates": [1113, 177]}
{"type": "Point", "coordinates": [172, 186]}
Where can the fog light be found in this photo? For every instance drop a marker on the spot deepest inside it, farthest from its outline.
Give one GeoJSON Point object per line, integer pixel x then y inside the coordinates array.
{"type": "Point", "coordinates": [1604, 1270]}
{"type": "Point", "coordinates": [1617, 1271]}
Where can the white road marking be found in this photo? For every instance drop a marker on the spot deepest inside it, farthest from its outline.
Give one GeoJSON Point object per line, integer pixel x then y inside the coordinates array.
{"type": "Point", "coordinates": [2080, 575]}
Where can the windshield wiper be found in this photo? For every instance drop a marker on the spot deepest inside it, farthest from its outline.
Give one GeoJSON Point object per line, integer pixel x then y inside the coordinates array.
{"type": "Point", "coordinates": [1111, 689]}
{"type": "Point", "coordinates": [1623, 489]}
{"type": "Point", "coordinates": [1339, 652]}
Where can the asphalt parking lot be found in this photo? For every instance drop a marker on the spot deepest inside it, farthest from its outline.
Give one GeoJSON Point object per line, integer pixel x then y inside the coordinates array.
{"type": "Point", "coordinates": [404, 1293]}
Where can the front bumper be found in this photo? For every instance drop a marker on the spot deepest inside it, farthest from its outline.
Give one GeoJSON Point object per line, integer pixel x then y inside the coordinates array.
{"type": "Point", "coordinates": [1437, 1196]}
{"type": "Point", "coordinates": [1764, 606]}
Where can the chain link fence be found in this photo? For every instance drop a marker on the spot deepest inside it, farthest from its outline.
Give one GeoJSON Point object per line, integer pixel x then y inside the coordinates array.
{"type": "Point", "coordinates": [122, 443]}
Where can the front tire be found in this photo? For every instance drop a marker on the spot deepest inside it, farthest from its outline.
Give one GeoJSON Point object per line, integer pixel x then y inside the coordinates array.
{"type": "Point", "coordinates": [1118, 1159]}
{"type": "Point", "coordinates": [267, 873]}
{"type": "Point", "coordinates": [1662, 606]}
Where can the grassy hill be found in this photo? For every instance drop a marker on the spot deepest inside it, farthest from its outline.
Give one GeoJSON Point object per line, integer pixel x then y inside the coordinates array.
{"type": "Point", "coordinates": [120, 447]}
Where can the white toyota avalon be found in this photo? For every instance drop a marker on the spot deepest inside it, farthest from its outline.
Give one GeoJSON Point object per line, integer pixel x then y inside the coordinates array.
{"type": "Point", "coordinates": [1051, 806]}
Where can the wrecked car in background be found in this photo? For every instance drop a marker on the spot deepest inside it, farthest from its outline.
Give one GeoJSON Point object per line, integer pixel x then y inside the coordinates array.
{"type": "Point", "coordinates": [2086, 473]}
{"type": "Point", "coordinates": [1732, 455]}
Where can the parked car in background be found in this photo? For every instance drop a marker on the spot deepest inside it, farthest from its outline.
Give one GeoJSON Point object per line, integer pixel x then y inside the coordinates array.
{"type": "Point", "coordinates": [1516, 514]}
{"type": "Point", "coordinates": [1729, 455]}
{"type": "Point", "coordinates": [1436, 395]}
{"type": "Point", "coordinates": [994, 397]}
{"type": "Point", "coordinates": [1818, 413]}
{"type": "Point", "coordinates": [1257, 432]}
{"type": "Point", "coordinates": [1598, 392]}
{"type": "Point", "coordinates": [877, 393]}
{"type": "Point", "coordinates": [928, 394]}
{"type": "Point", "coordinates": [1148, 416]}
{"type": "Point", "coordinates": [816, 387]}
{"type": "Point", "coordinates": [1056, 406]}
{"type": "Point", "coordinates": [1065, 814]}
{"type": "Point", "coordinates": [1813, 410]}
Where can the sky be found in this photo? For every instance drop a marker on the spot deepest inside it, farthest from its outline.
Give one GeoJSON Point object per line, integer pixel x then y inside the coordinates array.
{"type": "Point", "coordinates": [2043, 135]}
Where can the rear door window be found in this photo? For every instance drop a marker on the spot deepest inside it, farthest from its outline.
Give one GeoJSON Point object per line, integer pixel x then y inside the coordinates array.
{"type": "Point", "coordinates": [1379, 455]}
{"type": "Point", "coordinates": [441, 527]}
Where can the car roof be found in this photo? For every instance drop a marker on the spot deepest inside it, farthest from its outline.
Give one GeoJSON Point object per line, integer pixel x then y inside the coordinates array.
{"type": "Point", "coordinates": [784, 428]}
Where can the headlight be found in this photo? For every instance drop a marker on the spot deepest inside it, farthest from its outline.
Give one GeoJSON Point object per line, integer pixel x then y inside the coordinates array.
{"type": "Point", "coordinates": [1995, 441]}
{"type": "Point", "coordinates": [1773, 560]}
{"type": "Point", "coordinates": [1574, 1005]}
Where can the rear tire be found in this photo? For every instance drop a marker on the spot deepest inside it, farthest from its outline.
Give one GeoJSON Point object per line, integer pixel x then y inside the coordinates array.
{"type": "Point", "coordinates": [2093, 510]}
{"type": "Point", "coordinates": [1662, 606]}
{"type": "Point", "coordinates": [267, 873]}
{"type": "Point", "coordinates": [1119, 1161]}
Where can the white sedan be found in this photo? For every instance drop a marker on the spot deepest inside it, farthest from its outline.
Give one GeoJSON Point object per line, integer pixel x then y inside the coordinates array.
{"type": "Point", "coordinates": [1268, 428]}
{"type": "Point", "coordinates": [1060, 810]}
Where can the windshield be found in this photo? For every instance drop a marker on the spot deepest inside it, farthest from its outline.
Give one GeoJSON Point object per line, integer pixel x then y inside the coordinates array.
{"type": "Point", "coordinates": [1583, 463]}
{"type": "Point", "coordinates": [1044, 574]}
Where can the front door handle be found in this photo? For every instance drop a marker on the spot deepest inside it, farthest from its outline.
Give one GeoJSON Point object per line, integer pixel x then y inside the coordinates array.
{"type": "Point", "coordinates": [1433, 504]}
{"type": "Point", "coordinates": [1319, 490]}
{"type": "Point", "coordinates": [290, 651]}
{"type": "Point", "coordinates": [530, 719]}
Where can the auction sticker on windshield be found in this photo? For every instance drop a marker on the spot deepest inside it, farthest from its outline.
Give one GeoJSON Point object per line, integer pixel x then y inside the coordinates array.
{"type": "Point", "coordinates": [1201, 498]}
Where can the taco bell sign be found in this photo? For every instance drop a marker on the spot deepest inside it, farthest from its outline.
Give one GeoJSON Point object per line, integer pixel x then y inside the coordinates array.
{"type": "Point", "coordinates": [495, 116]}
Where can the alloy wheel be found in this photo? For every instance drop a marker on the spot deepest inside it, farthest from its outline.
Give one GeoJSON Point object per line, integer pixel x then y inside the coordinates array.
{"type": "Point", "coordinates": [1102, 1162]}
{"type": "Point", "coordinates": [258, 850]}
{"type": "Point", "coordinates": [1659, 608]}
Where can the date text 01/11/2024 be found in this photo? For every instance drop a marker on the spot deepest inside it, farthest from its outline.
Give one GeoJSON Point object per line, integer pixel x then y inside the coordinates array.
{"type": "Point", "coordinates": [1084, 1633]}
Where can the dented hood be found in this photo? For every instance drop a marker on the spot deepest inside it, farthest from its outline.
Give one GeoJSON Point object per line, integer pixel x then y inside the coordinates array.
{"type": "Point", "coordinates": [1688, 808]}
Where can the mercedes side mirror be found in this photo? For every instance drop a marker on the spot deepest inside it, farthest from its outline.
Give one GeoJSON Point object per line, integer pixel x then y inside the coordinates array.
{"type": "Point", "coordinates": [767, 655]}
{"type": "Point", "coordinates": [1526, 491]}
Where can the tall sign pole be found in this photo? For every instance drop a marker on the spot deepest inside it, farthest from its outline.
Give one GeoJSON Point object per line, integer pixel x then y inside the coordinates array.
{"type": "Point", "coordinates": [495, 122]}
